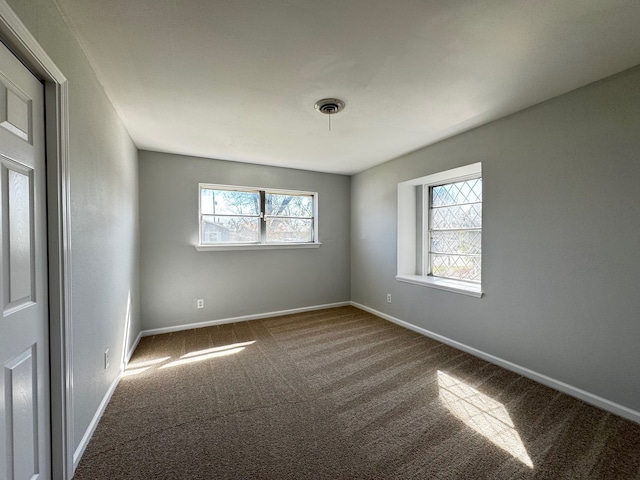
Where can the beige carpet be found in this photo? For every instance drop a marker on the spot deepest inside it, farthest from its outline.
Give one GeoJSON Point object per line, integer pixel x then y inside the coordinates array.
{"type": "Point", "coordinates": [338, 394]}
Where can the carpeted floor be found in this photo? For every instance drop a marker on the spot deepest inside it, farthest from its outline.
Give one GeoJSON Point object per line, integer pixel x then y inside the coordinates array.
{"type": "Point", "coordinates": [342, 394]}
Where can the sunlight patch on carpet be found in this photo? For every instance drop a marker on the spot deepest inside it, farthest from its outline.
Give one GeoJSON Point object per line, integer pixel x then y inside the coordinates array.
{"type": "Point", "coordinates": [147, 363]}
{"type": "Point", "coordinates": [140, 367]}
{"type": "Point", "coordinates": [129, 372]}
{"type": "Point", "coordinates": [209, 353]}
{"type": "Point", "coordinates": [483, 414]}
{"type": "Point", "coordinates": [232, 346]}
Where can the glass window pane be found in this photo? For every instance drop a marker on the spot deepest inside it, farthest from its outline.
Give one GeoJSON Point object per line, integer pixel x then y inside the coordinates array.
{"type": "Point", "coordinates": [465, 242]}
{"type": "Point", "coordinates": [469, 191]}
{"type": "Point", "coordinates": [206, 201]}
{"type": "Point", "coordinates": [229, 202]}
{"type": "Point", "coordinates": [217, 229]}
{"type": "Point", "coordinates": [289, 205]}
{"type": "Point", "coordinates": [456, 216]}
{"type": "Point", "coordinates": [454, 230]}
{"type": "Point", "coordinates": [289, 230]}
{"type": "Point", "coordinates": [460, 267]}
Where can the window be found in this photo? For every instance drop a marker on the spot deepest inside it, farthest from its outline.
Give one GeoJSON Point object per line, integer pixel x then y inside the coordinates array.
{"type": "Point", "coordinates": [440, 230]}
{"type": "Point", "coordinates": [244, 217]}
{"type": "Point", "coordinates": [229, 216]}
{"type": "Point", "coordinates": [289, 217]}
{"type": "Point", "coordinates": [454, 225]}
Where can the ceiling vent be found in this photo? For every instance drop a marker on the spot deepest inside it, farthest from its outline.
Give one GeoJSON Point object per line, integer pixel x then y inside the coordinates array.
{"type": "Point", "coordinates": [329, 105]}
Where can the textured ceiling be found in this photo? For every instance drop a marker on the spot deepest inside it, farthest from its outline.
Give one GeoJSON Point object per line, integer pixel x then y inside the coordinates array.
{"type": "Point", "coordinates": [237, 80]}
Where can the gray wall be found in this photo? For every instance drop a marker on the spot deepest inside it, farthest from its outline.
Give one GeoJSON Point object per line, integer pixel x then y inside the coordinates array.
{"type": "Point", "coordinates": [232, 283]}
{"type": "Point", "coordinates": [561, 240]}
{"type": "Point", "coordinates": [104, 218]}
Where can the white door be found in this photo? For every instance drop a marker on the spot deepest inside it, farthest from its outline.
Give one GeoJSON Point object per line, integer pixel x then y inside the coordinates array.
{"type": "Point", "coordinates": [24, 336]}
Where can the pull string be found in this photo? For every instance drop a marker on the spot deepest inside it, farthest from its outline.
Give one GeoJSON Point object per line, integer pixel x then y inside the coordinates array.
{"type": "Point", "coordinates": [329, 106]}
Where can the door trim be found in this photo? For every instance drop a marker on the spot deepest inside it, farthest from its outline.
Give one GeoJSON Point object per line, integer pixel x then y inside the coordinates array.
{"type": "Point", "coordinates": [24, 45]}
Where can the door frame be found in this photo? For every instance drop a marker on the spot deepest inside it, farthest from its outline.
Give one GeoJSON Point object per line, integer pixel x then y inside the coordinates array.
{"type": "Point", "coordinates": [22, 43]}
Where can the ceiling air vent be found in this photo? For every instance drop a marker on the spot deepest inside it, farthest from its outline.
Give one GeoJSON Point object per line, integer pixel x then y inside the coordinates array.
{"type": "Point", "coordinates": [329, 105]}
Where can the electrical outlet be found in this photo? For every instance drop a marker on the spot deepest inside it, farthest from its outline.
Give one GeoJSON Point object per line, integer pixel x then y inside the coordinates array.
{"type": "Point", "coordinates": [106, 359]}
{"type": "Point", "coordinates": [200, 303]}
{"type": "Point", "coordinates": [388, 298]}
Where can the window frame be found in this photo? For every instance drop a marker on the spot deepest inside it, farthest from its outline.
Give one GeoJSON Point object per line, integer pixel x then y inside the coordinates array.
{"type": "Point", "coordinates": [262, 243]}
{"type": "Point", "coordinates": [412, 237]}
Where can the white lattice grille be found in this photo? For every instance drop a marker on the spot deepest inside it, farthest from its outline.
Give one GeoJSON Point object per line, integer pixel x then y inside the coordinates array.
{"type": "Point", "coordinates": [454, 230]}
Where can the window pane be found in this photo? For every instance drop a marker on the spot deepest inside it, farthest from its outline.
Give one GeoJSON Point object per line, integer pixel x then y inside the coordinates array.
{"type": "Point", "coordinates": [466, 242]}
{"type": "Point", "coordinates": [456, 216]}
{"type": "Point", "coordinates": [206, 201]}
{"type": "Point", "coordinates": [460, 267]}
{"type": "Point", "coordinates": [454, 230]}
{"type": "Point", "coordinates": [230, 229]}
{"type": "Point", "coordinates": [229, 202]}
{"type": "Point", "coordinates": [469, 191]}
{"type": "Point", "coordinates": [289, 230]}
{"type": "Point", "coordinates": [289, 205]}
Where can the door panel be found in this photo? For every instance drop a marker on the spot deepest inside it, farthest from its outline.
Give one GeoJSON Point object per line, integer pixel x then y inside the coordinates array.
{"type": "Point", "coordinates": [25, 443]}
{"type": "Point", "coordinates": [16, 111]}
{"type": "Point", "coordinates": [17, 235]}
{"type": "Point", "coordinates": [21, 375]}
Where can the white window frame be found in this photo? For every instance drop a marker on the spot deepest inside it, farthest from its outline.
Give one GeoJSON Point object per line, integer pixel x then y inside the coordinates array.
{"type": "Point", "coordinates": [412, 239]}
{"type": "Point", "coordinates": [262, 244]}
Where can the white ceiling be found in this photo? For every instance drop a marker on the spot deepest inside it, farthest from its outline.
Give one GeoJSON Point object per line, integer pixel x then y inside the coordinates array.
{"type": "Point", "coordinates": [237, 80]}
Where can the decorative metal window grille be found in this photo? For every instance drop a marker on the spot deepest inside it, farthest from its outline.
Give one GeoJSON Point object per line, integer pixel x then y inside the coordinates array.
{"type": "Point", "coordinates": [454, 227]}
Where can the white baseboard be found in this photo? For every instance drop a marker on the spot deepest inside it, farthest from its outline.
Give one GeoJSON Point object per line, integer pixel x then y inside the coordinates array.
{"type": "Point", "coordinates": [103, 405]}
{"type": "Point", "coordinates": [244, 318]}
{"type": "Point", "coordinates": [590, 398]}
{"type": "Point", "coordinates": [77, 455]}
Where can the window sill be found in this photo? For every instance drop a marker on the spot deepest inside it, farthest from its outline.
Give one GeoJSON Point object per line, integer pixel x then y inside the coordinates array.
{"type": "Point", "coordinates": [442, 284]}
{"type": "Point", "coordinates": [255, 246]}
